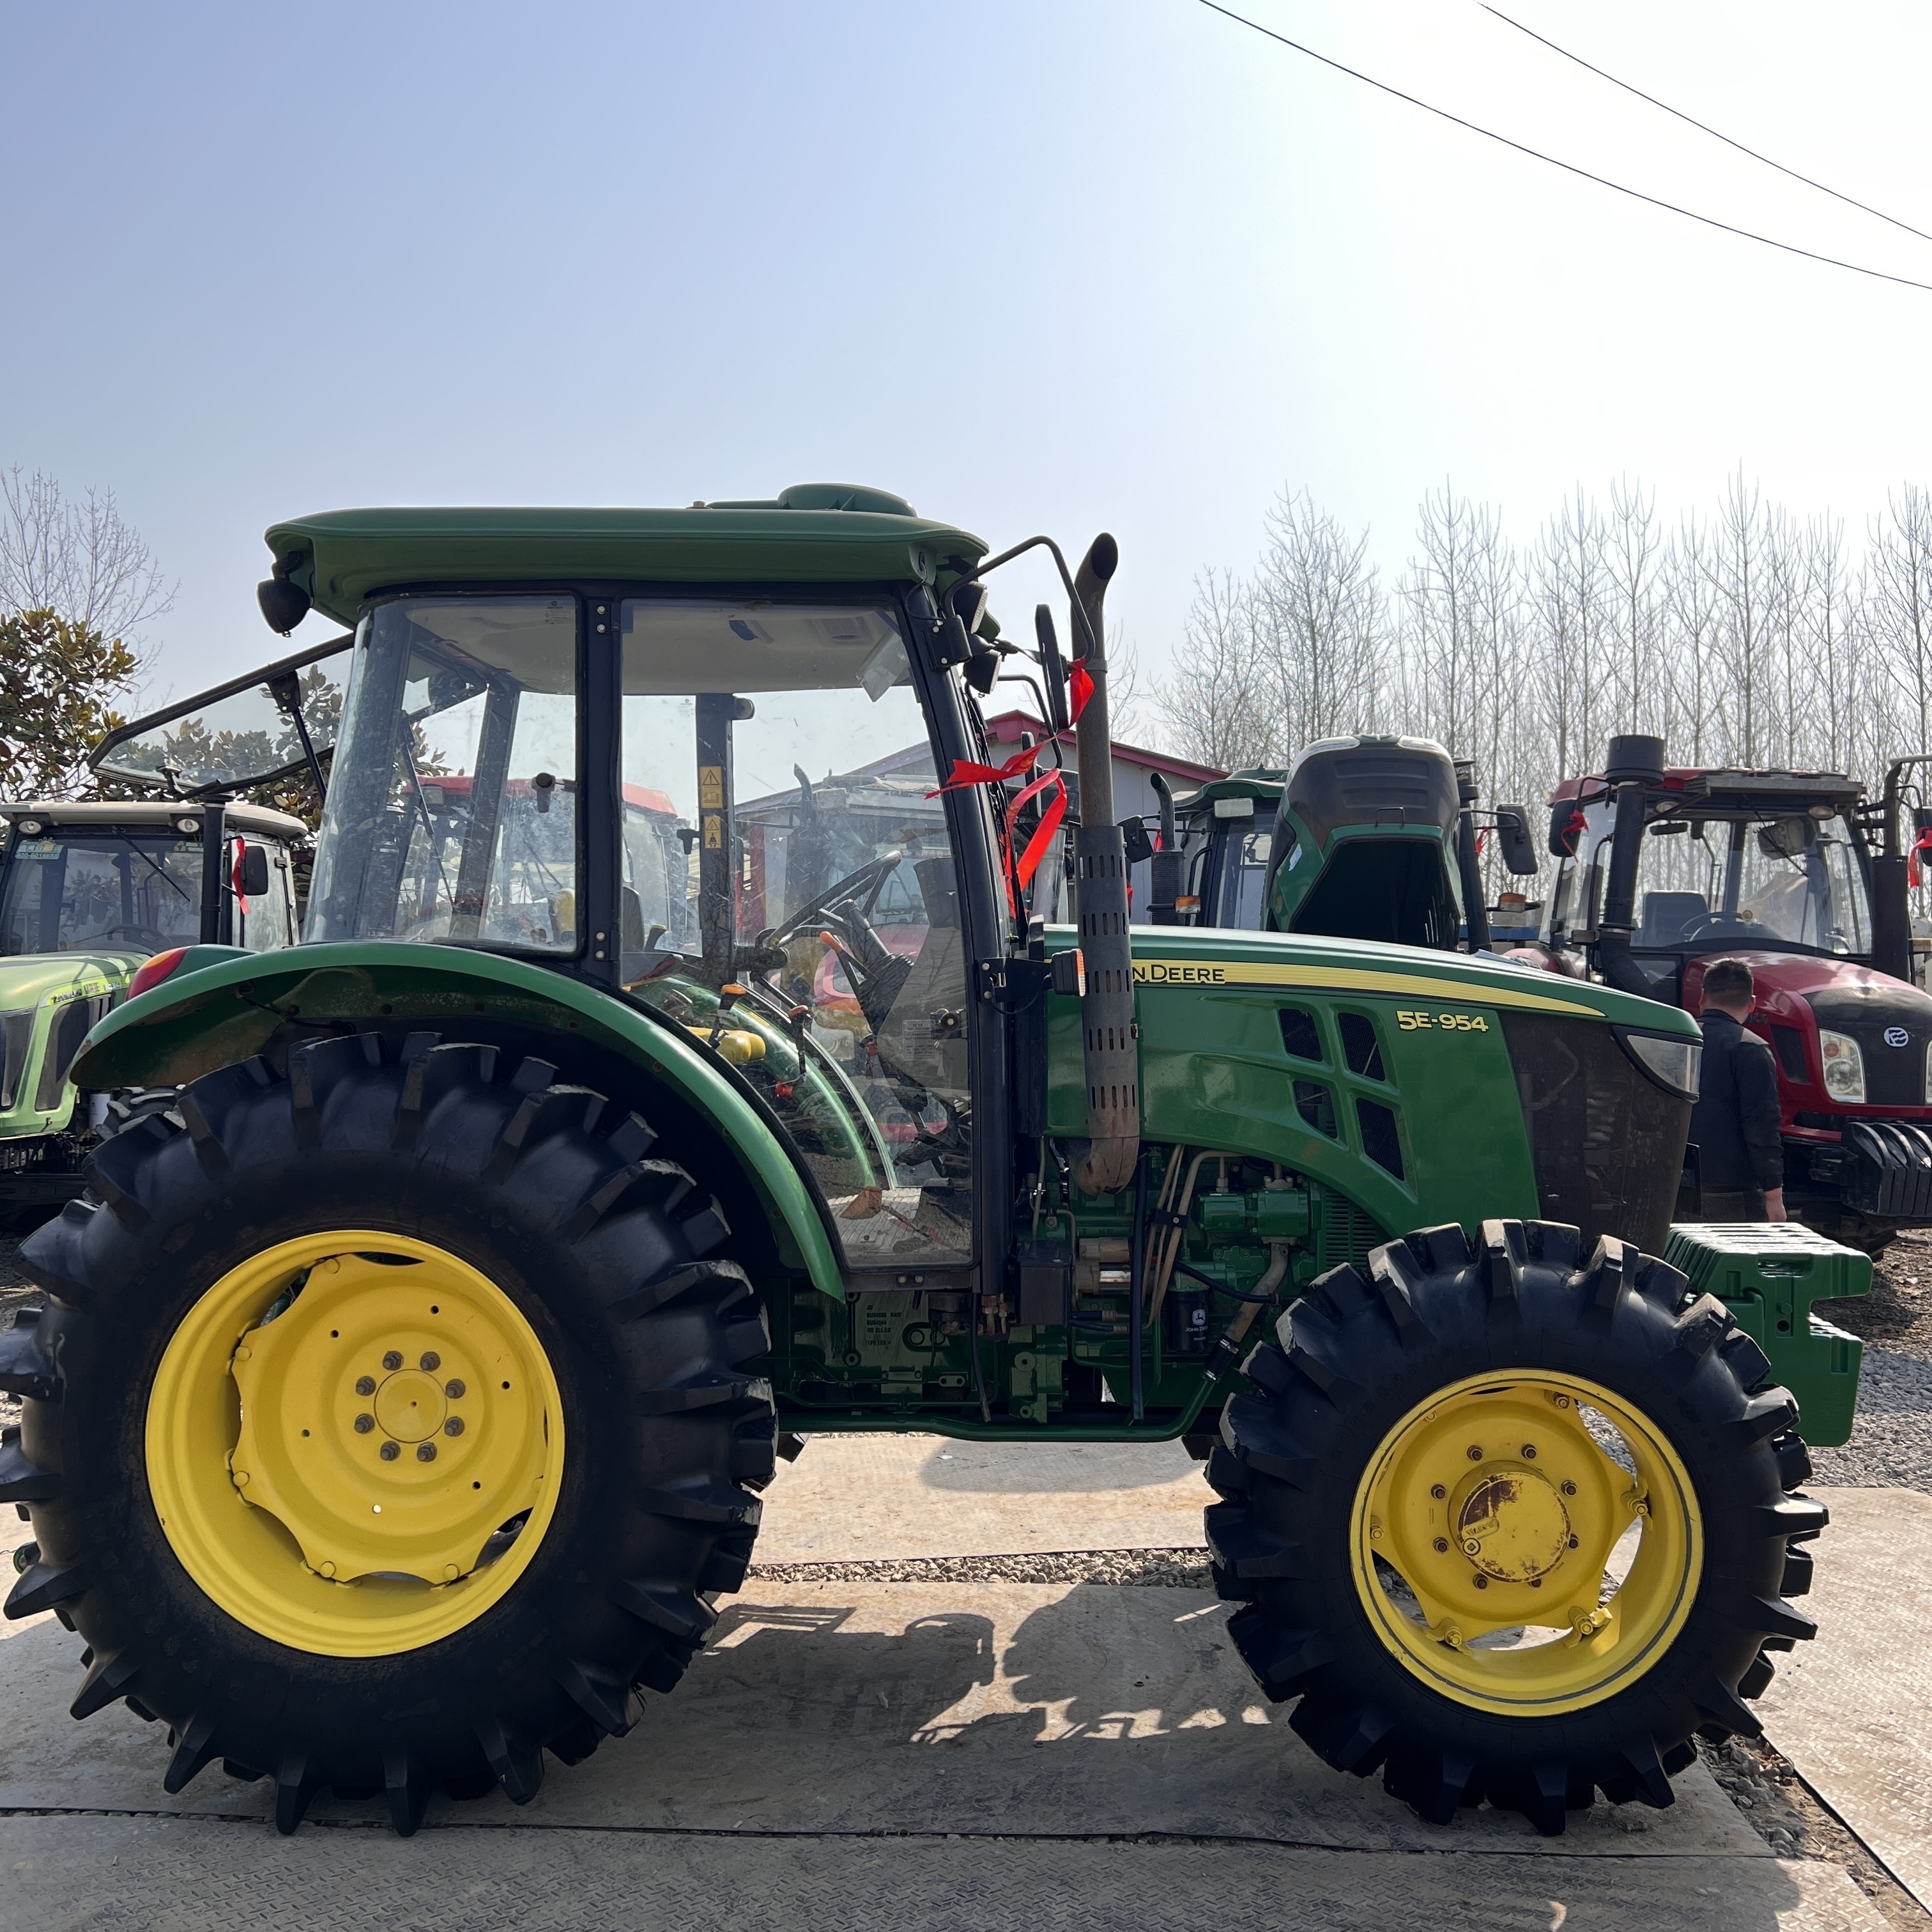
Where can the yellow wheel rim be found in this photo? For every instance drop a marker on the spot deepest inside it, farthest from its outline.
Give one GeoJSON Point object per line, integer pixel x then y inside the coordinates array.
{"type": "Point", "coordinates": [334, 1470]}
{"type": "Point", "coordinates": [1491, 1543]}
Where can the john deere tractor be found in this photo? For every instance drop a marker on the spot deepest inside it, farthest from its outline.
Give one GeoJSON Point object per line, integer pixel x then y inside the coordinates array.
{"type": "Point", "coordinates": [398, 1409]}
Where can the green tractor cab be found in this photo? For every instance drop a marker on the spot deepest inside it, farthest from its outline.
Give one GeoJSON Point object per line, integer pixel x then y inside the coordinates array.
{"type": "Point", "coordinates": [670, 1070]}
{"type": "Point", "coordinates": [92, 895]}
{"type": "Point", "coordinates": [1361, 837]}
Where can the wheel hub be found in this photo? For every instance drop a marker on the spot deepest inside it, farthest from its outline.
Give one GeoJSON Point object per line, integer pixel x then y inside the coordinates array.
{"type": "Point", "coordinates": [1511, 1523]}
{"type": "Point", "coordinates": [344, 1420]}
{"type": "Point", "coordinates": [1500, 1510]}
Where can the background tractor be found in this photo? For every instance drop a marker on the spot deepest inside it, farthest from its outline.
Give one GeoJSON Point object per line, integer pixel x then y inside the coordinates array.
{"type": "Point", "coordinates": [1662, 870]}
{"type": "Point", "coordinates": [91, 895]}
{"type": "Point", "coordinates": [401, 1398]}
{"type": "Point", "coordinates": [1361, 837]}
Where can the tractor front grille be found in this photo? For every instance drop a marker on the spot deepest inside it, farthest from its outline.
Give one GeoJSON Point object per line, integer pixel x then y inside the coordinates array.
{"type": "Point", "coordinates": [17, 1042]}
{"type": "Point", "coordinates": [1606, 1141]}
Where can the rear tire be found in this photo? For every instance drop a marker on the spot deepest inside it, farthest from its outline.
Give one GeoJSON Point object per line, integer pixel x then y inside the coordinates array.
{"type": "Point", "coordinates": [604, 1258]}
{"type": "Point", "coordinates": [1367, 1352]}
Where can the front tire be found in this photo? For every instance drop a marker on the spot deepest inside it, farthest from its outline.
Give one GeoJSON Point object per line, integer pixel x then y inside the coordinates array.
{"type": "Point", "coordinates": [486, 1365]}
{"type": "Point", "coordinates": [1509, 1521]}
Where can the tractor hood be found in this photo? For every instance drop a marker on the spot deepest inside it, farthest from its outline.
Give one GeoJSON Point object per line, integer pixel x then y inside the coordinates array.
{"type": "Point", "coordinates": [27, 979]}
{"type": "Point", "coordinates": [1184, 956]}
{"type": "Point", "coordinates": [1891, 1021]}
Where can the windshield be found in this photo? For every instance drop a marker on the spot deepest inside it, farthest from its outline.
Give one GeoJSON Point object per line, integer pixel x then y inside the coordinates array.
{"type": "Point", "coordinates": [452, 810]}
{"type": "Point", "coordinates": [1791, 880]}
{"type": "Point", "coordinates": [125, 895]}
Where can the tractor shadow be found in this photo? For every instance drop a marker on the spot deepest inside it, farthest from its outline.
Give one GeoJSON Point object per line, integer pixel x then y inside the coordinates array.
{"type": "Point", "coordinates": [1023, 1468]}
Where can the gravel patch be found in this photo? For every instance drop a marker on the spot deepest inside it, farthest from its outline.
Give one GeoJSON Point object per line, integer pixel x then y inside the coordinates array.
{"type": "Point", "coordinates": [1898, 1312]}
{"type": "Point", "coordinates": [1891, 1434]}
{"type": "Point", "coordinates": [1170, 1569]}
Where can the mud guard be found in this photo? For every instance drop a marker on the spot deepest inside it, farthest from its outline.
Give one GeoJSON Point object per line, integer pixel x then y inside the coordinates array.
{"type": "Point", "coordinates": [194, 1023]}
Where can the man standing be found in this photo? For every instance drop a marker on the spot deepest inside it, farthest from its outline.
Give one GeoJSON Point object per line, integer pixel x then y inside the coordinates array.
{"type": "Point", "coordinates": [1734, 1123]}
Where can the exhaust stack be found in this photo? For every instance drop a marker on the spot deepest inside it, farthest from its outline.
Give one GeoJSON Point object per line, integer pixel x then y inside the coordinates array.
{"type": "Point", "coordinates": [1111, 1037]}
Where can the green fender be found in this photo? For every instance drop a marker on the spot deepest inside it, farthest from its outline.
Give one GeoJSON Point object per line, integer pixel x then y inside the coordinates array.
{"type": "Point", "coordinates": [194, 1023]}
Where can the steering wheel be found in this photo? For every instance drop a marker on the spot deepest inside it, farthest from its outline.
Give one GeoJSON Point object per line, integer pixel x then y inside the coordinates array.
{"type": "Point", "coordinates": [1716, 926]}
{"type": "Point", "coordinates": [865, 883]}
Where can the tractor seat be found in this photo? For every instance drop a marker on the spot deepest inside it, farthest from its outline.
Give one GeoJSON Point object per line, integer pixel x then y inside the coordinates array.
{"type": "Point", "coordinates": [1667, 916]}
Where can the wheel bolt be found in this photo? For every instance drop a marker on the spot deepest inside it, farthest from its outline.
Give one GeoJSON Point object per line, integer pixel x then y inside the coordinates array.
{"type": "Point", "coordinates": [392, 1359]}
{"type": "Point", "coordinates": [1576, 1543]}
{"type": "Point", "coordinates": [389, 1451]}
{"type": "Point", "coordinates": [425, 1452]}
{"type": "Point", "coordinates": [365, 1384]}
{"type": "Point", "coordinates": [1569, 1489]}
{"type": "Point", "coordinates": [1529, 1452]}
{"type": "Point", "coordinates": [430, 1360]}
{"type": "Point", "coordinates": [1482, 1583]}
{"type": "Point", "coordinates": [1475, 1452]}
{"type": "Point", "coordinates": [363, 1424]}
{"type": "Point", "coordinates": [1442, 1546]}
{"type": "Point", "coordinates": [1436, 1490]}
{"type": "Point", "coordinates": [455, 1389]}
{"type": "Point", "coordinates": [454, 1427]}
{"type": "Point", "coordinates": [1536, 1582]}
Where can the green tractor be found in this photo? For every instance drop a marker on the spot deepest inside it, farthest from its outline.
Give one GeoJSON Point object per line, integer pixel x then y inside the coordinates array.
{"type": "Point", "coordinates": [92, 894]}
{"type": "Point", "coordinates": [399, 1406]}
{"type": "Point", "coordinates": [1360, 837]}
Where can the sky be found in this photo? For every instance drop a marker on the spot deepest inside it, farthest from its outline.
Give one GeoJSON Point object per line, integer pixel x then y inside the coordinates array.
{"type": "Point", "coordinates": [1064, 265]}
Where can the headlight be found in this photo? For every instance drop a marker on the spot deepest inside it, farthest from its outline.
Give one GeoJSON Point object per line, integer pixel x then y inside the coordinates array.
{"type": "Point", "coordinates": [1844, 1067]}
{"type": "Point", "coordinates": [1674, 1063]}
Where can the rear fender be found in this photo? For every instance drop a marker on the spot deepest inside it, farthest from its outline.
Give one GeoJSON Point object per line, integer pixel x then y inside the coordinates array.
{"type": "Point", "coordinates": [193, 1023]}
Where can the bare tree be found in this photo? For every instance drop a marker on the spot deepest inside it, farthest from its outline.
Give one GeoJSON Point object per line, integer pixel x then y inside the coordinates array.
{"type": "Point", "coordinates": [1632, 559]}
{"type": "Point", "coordinates": [1899, 598]}
{"type": "Point", "coordinates": [1319, 611]}
{"type": "Point", "coordinates": [79, 558]}
{"type": "Point", "coordinates": [1217, 706]}
{"type": "Point", "coordinates": [1690, 620]}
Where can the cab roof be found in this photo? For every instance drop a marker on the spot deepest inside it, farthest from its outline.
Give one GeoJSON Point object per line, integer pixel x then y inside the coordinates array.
{"type": "Point", "coordinates": [1716, 789]}
{"type": "Point", "coordinates": [145, 814]}
{"type": "Point", "coordinates": [811, 533]}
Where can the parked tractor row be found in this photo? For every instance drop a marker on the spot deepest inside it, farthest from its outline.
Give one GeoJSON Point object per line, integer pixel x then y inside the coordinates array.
{"type": "Point", "coordinates": [398, 1410]}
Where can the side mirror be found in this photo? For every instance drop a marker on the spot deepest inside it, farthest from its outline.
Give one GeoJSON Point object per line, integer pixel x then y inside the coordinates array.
{"type": "Point", "coordinates": [251, 872]}
{"type": "Point", "coordinates": [1513, 834]}
{"type": "Point", "coordinates": [1137, 847]}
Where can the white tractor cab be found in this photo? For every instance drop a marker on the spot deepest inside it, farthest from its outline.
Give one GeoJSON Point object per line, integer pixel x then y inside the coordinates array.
{"type": "Point", "coordinates": [94, 897]}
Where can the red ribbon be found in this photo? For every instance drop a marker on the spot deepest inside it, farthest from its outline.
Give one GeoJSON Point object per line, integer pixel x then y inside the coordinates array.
{"type": "Point", "coordinates": [1923, 843]}
{"type": "Point", "coordinates": [1081, 685]}
{"type": "Point", "coordinates": [1051, 815]}
{"type": "Point", "coordinates": [965, 772]}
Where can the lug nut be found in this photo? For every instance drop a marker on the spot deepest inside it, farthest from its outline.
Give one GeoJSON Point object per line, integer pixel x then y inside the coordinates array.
{"type": "Point", "coordinates": [1536, 1582]}
{"type": "Point", "coordinates": [1529, 1452]}
{"type": "Point", "coordinates": [1475, 1452]}
{"type": "Point", "coordinates": [365, 1384]}
{"type": "Point", "coordinates": [392, 1360]}
{"type": "Point", "coordinates": [389, 1451]}
{"type": "Point", "coordinates": [363, 1424]}
{"type": "Point", "coordinates": [425, 1452]}
{"type": "Point", "coordinates": [431, 1359]}
{"type": "Point", "coordinates": [1442, 1546]}
{"type": "Point", "coordinates": [1569, 1489]}
{"type": "Point", "coordinates": [1436, 1490]}
{"type": "Point", "coordinates": [1482, 1583]}
{"type": "Point", "coordinates": [455, 1389]}
{"type": "Point", "coordinates": [1575, 1543]}
{"type": "Point", "coordinates": [454, 1427]}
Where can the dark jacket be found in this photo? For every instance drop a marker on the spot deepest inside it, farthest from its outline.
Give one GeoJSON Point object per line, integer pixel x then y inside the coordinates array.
{"type": "Point", "coordinates": [1734, 1123]}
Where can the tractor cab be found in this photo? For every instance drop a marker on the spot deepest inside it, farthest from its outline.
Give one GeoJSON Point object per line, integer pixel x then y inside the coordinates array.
{"type": "Point", "coordinates": [91, 894]}
{"type": "Point", "coordinates": [1663, 869]}
{"type": "Point", "coordinates": [1361, 837]}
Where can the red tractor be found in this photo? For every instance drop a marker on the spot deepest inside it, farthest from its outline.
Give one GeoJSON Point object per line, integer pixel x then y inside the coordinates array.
{"type": "Point", "coordinates": [1799, 875]}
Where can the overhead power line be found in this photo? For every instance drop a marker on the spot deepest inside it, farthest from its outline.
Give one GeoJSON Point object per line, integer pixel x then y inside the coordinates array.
{"type": "Point", "coordinates": [1850, 201]}
{"type": "Point", "coordinates": [1568, 167]}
